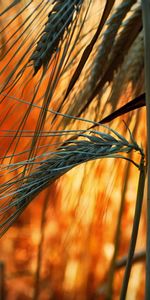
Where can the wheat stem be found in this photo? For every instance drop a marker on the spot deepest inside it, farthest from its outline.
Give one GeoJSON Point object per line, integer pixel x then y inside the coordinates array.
{"type": "Point", "coordinates": [109, 293]}
{"type": "Point", "coordinates": [136, 221]}
{"type": "Point", "coordinates": [146, 23]}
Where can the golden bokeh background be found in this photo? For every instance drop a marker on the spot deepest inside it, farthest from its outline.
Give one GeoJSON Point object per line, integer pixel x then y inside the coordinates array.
{"type": "Point", "coordinates": [62, 245]}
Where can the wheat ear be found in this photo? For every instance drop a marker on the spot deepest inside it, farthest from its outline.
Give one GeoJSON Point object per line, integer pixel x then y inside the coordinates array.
{"type": "Point", "coordinates": [130, 70]}
{"type": "Point", "coordinates": [103, 53]}
{"type": "Point", "coordinates": [90, 146]}
{"type": "Point", "coordinates": [105, 47]}
{"type": "Point", "coordinates": [59, 20]}
{"type": "Point", "coordinates": [116, 58]}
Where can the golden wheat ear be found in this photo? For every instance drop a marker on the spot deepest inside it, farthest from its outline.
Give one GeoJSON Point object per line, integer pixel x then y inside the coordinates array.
{"type": "Point", "coordinates": [120, 33]}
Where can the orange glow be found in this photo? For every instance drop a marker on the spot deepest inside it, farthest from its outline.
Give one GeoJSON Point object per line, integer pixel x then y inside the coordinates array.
{"type": "Point", "coordinates": [73, 245]}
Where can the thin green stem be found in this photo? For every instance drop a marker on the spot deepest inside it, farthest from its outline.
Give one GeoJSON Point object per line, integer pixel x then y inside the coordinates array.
{"type": "Point", "coordinates": [146, 25]}
{"type": "Point", "coordinates": [117, 237]}
{"type": "Point", "coordinates": [136, 222]}
{"type": "Point", "coordinates": [40, 248]}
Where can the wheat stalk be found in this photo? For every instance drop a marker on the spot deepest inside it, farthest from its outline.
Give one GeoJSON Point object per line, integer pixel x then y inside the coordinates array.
{"type": "Point", "coordinates": [146, 25]}
{"type": "Point", "coordinates": [136, 221]}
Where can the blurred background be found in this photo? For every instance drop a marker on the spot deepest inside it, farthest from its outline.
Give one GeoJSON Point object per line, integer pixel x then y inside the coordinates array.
{"type": "Point", "coordinates": [72, 241]}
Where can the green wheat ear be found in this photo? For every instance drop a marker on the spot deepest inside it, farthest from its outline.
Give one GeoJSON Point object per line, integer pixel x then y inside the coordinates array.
{"type": "Point", "coordinates": [59, 19]}
{"type": "Point", "coordinates": [50, 166]}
